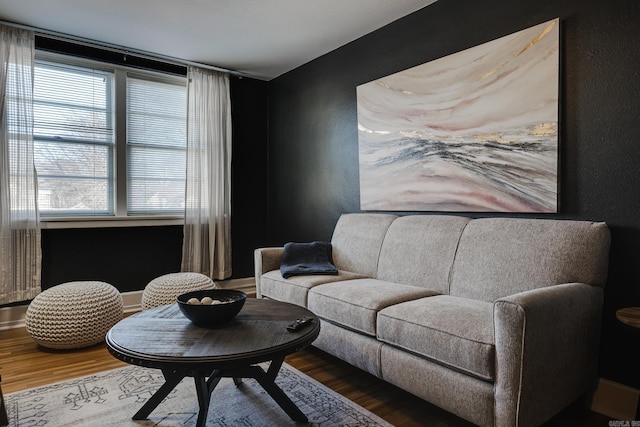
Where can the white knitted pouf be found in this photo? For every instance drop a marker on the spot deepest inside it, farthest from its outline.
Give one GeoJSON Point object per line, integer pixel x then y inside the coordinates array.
{"type": "Point", "coordinates": [165, 289]}
{"type": "Point", "coordinates": [74, 314]}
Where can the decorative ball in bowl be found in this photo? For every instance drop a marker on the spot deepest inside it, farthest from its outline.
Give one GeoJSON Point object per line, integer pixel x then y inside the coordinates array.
{"type": "Point", "coordinates": [211, 308]}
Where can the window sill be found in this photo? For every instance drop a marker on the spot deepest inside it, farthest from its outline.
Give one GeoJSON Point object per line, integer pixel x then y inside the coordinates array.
{"type": "Point", "coordinates": [108, 222]}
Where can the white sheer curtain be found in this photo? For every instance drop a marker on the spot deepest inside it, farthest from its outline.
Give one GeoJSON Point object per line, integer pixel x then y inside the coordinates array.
{"type": "Point", "coordinates": [20, 256]}
{"type": "Point", "coordinates": [207, 235]}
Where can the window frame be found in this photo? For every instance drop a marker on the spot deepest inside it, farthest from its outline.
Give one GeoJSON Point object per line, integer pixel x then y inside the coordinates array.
{"type": "Point", "coordinates": [120, 218]}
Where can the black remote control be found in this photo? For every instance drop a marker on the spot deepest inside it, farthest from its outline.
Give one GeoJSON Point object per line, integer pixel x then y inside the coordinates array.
{"type": "Point", "coordinates": [299, 324]}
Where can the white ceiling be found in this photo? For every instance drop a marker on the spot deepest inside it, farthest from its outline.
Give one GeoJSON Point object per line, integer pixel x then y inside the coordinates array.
{"type": "Point", "coordinates": [258, 38]}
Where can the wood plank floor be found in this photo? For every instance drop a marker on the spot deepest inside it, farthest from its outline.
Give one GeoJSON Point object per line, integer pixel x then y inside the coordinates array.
{"type": "Point", "coordinates": [23, 364]}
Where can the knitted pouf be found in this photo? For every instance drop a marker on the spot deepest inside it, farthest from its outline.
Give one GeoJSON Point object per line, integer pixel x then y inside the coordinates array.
{"type": "Point", "coordinates": [165, 289]}
{"type": "Point", "coordinates": [74, 314]}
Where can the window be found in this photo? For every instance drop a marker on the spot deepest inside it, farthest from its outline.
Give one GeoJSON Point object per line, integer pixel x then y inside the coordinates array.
{"type": "Point", "coordinates": [74, 139]}
{"type": "Point", "coordinates": [109, 141]}
{"type": "Point", "coordinates": [156, 146]}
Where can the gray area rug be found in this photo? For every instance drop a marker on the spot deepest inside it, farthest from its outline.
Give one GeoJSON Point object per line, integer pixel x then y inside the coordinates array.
{"type": "Point", "coordinates": [110, 398]}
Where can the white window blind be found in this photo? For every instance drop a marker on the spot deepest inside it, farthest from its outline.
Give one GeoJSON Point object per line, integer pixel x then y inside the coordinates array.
{"type": "Point", "coordinates": [74, 139]}
{"type": "Point", "coordinates": [109, 141]}
{"type": "Point", "coordinates": [156, 145]}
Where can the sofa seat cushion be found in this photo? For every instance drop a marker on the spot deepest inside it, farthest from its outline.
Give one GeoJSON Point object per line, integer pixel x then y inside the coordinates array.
{"type": "Point", "coordinates": [295, 289]}
{"type": "Point", "coordinates": [456, 332]}
{"type": "Point", "coordinates": [356, 303]}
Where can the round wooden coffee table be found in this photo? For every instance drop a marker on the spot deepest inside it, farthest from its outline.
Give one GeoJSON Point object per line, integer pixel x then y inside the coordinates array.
{"type": "Point", "coordinates": [163, 338]}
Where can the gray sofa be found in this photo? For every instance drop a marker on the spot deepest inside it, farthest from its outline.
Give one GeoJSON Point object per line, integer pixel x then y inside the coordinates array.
{"type": "Point", "coordinates": [496, 320]}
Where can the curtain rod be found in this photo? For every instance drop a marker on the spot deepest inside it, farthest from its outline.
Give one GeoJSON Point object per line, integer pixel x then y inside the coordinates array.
{"type": "Point", "coordinates": [118, 48]}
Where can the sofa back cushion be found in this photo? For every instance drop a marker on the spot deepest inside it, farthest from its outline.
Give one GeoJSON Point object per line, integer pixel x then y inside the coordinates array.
{"type": "Point", "coordinates": [419, 250]}
{"type": "Point", "coordinates": [503, 256]}
{"type": "Point", "coordinates": [356, 242]}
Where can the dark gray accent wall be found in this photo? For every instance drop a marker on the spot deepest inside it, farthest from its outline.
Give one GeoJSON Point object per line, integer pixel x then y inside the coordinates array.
{"type": "Point", "coordinates": [313, 145]}
{"type": "Point", "coordinates": [126, 257]}
{"type": "Point", "coordinates": [248, 172]}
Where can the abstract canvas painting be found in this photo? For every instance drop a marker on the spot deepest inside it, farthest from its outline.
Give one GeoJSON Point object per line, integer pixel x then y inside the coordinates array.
{"type": "Point", "coordinates": [475, 131]}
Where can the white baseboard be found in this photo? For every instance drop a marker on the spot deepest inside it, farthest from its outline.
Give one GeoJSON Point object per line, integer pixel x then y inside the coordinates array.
{"type": "Point", "coordinates": [246, 285]}
{"type": "Point", "coordinates": [13, 317]}
{"type": "Point", "coordinates": [615, 400]}
{"type": "Point", "coordinates": [132, 301]}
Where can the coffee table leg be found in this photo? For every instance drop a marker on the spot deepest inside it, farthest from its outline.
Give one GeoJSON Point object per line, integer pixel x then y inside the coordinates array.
{"type": "Point", "coordinates": [267, 381]}
{"type": "Point", "coordinates": [171, 380]}
{"type": "Point", "coordinates": [204, 388]}
{"type": "Point", "coordinates": [204, 397]}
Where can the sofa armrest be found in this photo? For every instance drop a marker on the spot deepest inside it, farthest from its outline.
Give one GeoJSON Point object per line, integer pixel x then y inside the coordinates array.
{"type": "Point", "coordinates": [266, 259]}
{"type": "Point", "coordinates": [547, 343]}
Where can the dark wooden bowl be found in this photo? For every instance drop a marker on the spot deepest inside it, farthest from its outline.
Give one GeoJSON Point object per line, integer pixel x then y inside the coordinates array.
{"type": "Point", "coordinates": [210, 316]}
